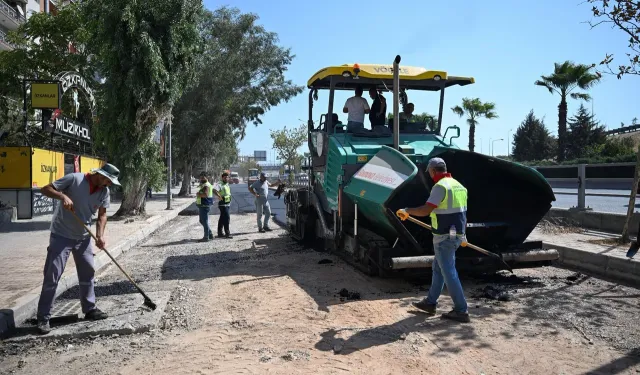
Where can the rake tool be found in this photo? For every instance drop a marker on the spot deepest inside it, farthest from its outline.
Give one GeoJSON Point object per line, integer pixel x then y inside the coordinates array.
{"type": "Point", "coordinates": [465, 244]}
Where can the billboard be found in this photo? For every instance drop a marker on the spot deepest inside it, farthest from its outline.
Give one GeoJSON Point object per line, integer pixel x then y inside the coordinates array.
{"type": "Point", "coordinates": [260, 155]}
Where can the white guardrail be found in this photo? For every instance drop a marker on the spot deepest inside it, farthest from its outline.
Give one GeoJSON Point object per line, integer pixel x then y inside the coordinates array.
{"type": "Point", "coordinates": [581, 182]}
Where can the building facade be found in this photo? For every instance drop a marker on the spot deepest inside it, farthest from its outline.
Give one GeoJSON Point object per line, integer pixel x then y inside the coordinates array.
{"type": "Point", "coordinates": [14, 13]}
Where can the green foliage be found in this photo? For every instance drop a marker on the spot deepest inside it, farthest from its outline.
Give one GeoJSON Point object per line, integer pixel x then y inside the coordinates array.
{"type": "Point", "coordinates": [474, 109]}
{"type": "Point", "coordinates": [625, 16]}
{"type": "Point", "coordinates": [287, 141]}
{"type": "Point", "coordinates": [41, 52]}
{"type": "Point", "coordinates": [567, 77]}
{"type": "Point", "coordinates": [245, 166]}
{"type": "Point", "coordinates": [424, 117]}
{"type": "Point", "coordinates": [240, 77]}
{"type": "Point", "coordinates": [147, 53]}
{"type": "Point", "coordinates": [532, 140]}
{"type": "Point", "coordinates": [629, 158]}
{"type": "Point", "coordinates": [584, 135]}
{"type": "Point", "coordinates": [612, 147]}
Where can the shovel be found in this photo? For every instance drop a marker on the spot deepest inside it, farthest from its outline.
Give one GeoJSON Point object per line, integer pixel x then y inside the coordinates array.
{"type": "Point", "coordinates": [465, 243]}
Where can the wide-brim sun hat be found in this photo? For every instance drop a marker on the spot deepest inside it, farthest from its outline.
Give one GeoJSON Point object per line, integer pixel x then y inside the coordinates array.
{"type": "Point", "coordinates": [110, 172]}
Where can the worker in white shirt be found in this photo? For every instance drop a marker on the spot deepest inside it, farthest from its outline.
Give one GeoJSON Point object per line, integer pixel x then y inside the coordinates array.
{"type": "Point", "coordinates": [356, 106]}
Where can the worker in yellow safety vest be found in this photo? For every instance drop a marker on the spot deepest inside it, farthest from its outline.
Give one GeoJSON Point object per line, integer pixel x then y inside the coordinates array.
{"type": "Point", "coordinates": [204, 201]}
{"type": "Point", "coordinates": [447, 207]}
{"type": "Point", "coordinates": [224, 204]}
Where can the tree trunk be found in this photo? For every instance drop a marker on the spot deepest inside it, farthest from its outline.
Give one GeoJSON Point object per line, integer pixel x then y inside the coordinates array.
{"type": "Point", "coordinates": [632, 199]}
{"type": "Point", "coordinates": [186, 180]}
{"type": "Point", "coordinates": [133, 200]}
{"type": "Point", "coordinates": [562, 127]}
{"type": "Point", "coordinates": [190, 175]}
{"type": "Point", "coordinates": [472, 135]}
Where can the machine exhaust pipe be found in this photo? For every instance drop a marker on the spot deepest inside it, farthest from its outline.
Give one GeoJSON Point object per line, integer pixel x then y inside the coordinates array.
{"type": "Point", "coordinates": [396, 104]}
{"type": "Point", "coordinates": [426, 261]}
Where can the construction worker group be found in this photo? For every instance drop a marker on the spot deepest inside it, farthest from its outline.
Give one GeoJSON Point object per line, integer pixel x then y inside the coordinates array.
{"type": "Point", "coordinates": [84, 194]}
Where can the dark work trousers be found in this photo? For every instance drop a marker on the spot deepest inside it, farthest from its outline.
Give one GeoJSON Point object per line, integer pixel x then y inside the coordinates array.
{"type": "Point", "coordinates": [57, 255]}
{"type": "Point", "coordinates": [204, 220]}
{"type": "Point", "coordinates": [223, 220]}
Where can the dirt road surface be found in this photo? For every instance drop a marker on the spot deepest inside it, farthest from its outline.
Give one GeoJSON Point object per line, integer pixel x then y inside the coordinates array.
{"type": "Point", "coordinates": [260, 303]}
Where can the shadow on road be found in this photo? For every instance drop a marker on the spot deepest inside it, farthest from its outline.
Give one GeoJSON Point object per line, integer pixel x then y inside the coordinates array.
{"type": "Point", "coordinates": [440, 331]}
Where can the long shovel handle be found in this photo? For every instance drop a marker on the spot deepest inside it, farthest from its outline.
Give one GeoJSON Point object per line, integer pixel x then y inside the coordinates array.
{"type": "Point", "coordinates": [474, 247]}
{"type": "Point", "coordinates": [146, 298]}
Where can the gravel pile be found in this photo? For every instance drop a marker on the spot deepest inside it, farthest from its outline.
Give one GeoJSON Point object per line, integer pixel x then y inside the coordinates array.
{"type": "Point", "coordinates": [557, 225]}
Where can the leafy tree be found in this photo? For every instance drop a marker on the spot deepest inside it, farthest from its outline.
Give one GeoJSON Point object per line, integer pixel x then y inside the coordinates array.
{"type": "Point", "coordinates": [584, 133]}
{"type": "Point", "coordinates": [625, 15]}
{"type": "Point", "coordinates": [241, 76]}
{"type": "Point", "coordinates": [287, 141]}
{"type": "Point", "coordinates": [146, 51]}
{"type": "Point", "coordinates": [41, 52]}
{"type": "Point", "coordinates": [474, 109]}
{"type": "Point", "coordinates": [424, 117]}
{"type": "Point", "coordinates": [532, 140]}
{"type": "Point", "coordinates": [567, 77]}
{"type": "Point", "coordinates": [245, 166]}
{"type": "Point", "coordinates": [612, 147]}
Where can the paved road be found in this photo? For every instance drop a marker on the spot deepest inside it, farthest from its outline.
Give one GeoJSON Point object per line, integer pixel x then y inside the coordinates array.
{"type": "Point", "coordinates": [605, 204]}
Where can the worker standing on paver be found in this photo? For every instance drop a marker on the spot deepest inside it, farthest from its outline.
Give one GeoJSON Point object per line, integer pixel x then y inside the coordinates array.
{"type": "Point", "coordinates": [204, 201]}
{"type": "Point", "coordinates": [447, 206]}
{"type": "Point", "coordinates": [81, 194]}
{"type": "Point", "coordinates": [224, 205]}
{"type": "Point", "coordinates": [260, 189]}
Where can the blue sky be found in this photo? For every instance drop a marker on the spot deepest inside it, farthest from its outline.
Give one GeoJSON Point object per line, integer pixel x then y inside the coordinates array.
{"type": "Point", "coordinates": [504, 45]}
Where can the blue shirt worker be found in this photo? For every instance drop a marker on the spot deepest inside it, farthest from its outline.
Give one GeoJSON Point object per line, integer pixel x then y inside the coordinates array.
{"type": "Point", "coordinates": [447, 207]}
{"type": "Point", "coordinates": [81, 194]}
{"type": "Point", "coordinates": [224, 204]}
{"type": "Point", "coordinates": [260, 189]}
{"type": "Point", "coordinates": [204, 201]}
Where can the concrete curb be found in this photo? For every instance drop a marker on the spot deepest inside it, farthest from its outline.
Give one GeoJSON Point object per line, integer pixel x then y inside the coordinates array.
{"type": "Point", "coordinates": [27, 305]}
{"type": "Point", "coordinates": [614, 268]}
{"type": "Point", "coordinates": [601, 221]}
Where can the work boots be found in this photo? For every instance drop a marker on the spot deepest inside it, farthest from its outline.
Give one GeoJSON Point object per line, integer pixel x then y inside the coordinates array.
{"type": "Point", "coordinates": [424, 306]}
{"type": "Point", "coordinates": [44, 327]}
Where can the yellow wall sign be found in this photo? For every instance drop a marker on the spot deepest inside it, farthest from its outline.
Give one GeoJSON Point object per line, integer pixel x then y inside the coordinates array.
{"type": "Point", "coordinates": [47, 166]}
{"type": "Point", "coordinates": [45, 95]}
{"type": "Point", "coordinates": [362, 158]}
{"type": "Point", "coordinates": [87, 164]}
{"type": "Point", "coordinates": [14, 167]}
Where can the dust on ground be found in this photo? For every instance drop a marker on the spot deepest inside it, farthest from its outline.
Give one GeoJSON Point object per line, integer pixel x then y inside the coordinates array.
{"type": "Point", "coordinates": [261, 303]}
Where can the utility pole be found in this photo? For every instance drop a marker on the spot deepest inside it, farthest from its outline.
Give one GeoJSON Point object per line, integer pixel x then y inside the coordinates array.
{"type": "Point", "coordinates": [169, 163]}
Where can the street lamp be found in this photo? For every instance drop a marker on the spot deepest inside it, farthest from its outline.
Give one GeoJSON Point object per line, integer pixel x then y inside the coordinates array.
{"type": "Point", "coordinates": [480, 145]}
{"type": "Point", "coordinates": [492, 142]}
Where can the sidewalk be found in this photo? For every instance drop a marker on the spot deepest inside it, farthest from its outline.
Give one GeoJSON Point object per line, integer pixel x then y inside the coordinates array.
{"type": "Point", "coordinates": [23, 249]}
{"type": "Point", "coordinates": [582, 251]}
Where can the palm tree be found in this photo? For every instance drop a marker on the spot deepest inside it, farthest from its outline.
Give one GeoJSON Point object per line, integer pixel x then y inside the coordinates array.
{"type": "Point", "coordinates": [566, 77]}
{"type": "Point", "coordinates": [475, 109]}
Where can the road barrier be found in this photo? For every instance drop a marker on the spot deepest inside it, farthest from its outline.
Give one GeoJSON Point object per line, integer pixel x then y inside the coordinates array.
{"type": "Point", "coordinates": [608, 176]}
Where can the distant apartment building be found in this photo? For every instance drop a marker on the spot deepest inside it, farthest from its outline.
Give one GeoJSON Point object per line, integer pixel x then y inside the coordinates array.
{"type": "Point", "coordinates": [13, 13]}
